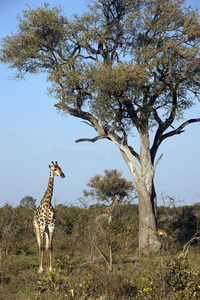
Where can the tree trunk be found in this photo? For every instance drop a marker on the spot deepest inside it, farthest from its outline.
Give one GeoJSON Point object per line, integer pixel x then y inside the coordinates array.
{"type": "Point", "coordinates": [143, 176]}
{"type": "Point", "coordinates": [148, 241]}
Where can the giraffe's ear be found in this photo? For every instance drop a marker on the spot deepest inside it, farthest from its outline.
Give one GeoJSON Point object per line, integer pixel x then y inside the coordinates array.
{"type": "Point", "coordinates": [49, 167]}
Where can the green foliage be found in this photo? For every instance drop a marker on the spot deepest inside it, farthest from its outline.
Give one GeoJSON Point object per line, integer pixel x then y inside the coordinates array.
{"type": "Point", "coordinates": [28, 202]}
{"type": "Point", "coordinates": [106, 187]}
{"type": "Point", "coordinates": [186, 223]}
{"type": "Point", "coordinates": [182, 222]}
{"type": "Point", "coordinates": [39, 30]}
{"type": "Point", "coordinates": [85, 274]}
{"type": "Point", "coordinates": [58, 280]}
{"type": "Point", "coordinates": [183, 281]}
{"type": "Point", "coordinates": [16, 228]}
{"type": "Point", "coordinates": [118, 53]}
{"type": "Point", "coordinates": [179, 282]}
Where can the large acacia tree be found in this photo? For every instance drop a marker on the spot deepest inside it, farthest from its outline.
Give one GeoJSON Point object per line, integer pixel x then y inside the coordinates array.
{"type": "Point", "coordinates": [123, 67]}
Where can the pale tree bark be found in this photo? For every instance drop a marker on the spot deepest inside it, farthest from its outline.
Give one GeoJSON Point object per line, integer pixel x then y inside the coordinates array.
{"type": "Point", "coordinates": [148, 241]}
{"type": "Point", "coordinates": [143, 175]}
{"type": "Point", "coordinates": [142, 169]}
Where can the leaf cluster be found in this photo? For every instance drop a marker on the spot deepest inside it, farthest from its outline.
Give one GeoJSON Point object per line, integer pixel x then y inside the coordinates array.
{"type": "Point", "coordinates": [106, 187]}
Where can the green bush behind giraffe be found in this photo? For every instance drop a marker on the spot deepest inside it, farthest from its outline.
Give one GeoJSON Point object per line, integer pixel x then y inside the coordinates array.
{"type": "Point", "coordinates": [80, 270]}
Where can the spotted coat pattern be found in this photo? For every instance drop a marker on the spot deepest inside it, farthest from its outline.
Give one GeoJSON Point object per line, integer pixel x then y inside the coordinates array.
{"type": "Point", "coordinates": [44, 218]}
{"type": "Point", "coordinates": [107, 213]}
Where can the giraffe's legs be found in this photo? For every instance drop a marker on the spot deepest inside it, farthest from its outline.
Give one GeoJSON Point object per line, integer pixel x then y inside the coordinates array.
{"type": "Point", "coordinates": [49, 251]}
{"type": "Point", "coordinates": [49, 238]}
{"type": "Point", "coordinates": [39, 237]}
{"type": "Point", "coordinates": [50, 248]}
{"type": "Point", "coordinates": [41, 252]}
{"type": "Point", "coordinates": [47, 246]}
{"type": "Point", "coordinates": [37, 231]}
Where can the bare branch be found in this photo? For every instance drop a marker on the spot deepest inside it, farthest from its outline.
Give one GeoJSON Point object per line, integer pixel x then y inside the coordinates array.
{"type": "Point", "coordinates": [180, 128]}
{"type": "Point", "coordinates": [109, 264]}
{"type": "Point", "coordinates": [185, 251]}
{"type": "Point", "coordinates": [134, 153]}
{"type": "Point", "coordinates": [82, 115]}
{"type": "Point", "coordinates": [87, 123]}
{"type": "Point", "coordinates": [158, 161]}
{"type": "Point", "coordinates": [99, 137]}
{"type": "Point", "coordinates": [159, 137]}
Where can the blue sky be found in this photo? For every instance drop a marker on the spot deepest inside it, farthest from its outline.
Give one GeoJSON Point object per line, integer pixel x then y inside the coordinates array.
{"type": "Point", "coordinates": [32, 134]}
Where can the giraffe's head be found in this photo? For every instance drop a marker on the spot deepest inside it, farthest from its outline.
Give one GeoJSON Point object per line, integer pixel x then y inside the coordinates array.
{"type": "Point", "coordinates": [56, 170]}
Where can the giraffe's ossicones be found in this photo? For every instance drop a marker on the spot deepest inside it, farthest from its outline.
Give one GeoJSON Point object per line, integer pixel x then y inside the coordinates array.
{"type": "Point", "coordinates": [44, 218]}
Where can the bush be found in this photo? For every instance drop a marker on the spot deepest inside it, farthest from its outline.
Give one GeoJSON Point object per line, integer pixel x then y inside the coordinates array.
{"type": "Point", "coordinates": [103, 261]}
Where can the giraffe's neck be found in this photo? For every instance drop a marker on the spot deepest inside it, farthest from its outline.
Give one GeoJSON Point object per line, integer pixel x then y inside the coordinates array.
{"type": "Point", "coordinates": [109, 208]}
{"type": "Point", "coordinates": [49, 192]}
{"type": "Point", "coordinates": [112, 205]}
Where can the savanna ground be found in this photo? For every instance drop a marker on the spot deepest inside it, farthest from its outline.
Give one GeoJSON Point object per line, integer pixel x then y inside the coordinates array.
{"type": "Point", "coordinates": [92, 262]}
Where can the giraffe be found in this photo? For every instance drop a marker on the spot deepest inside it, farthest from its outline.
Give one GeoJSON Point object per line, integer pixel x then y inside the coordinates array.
{"type": "Point", "coordinates": [107, 213]}
{"type": "Point", "coordinates": [44, 218]}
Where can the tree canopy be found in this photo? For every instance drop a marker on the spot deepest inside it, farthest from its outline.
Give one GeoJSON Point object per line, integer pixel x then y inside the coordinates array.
{"type": "Point", "coordinates": [106, 187]}
{"type": "Point", "coordinates": [28, 202]}
{"type": "Point", "coordinates": [130, 64]}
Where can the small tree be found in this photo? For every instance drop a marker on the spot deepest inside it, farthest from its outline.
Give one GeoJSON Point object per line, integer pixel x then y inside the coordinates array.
{"type": "Point", "coordinates": [124, 67]}
{"type": "Point", "coordinates": [106, 187]}
{"type": "Point", "coordinates": [28, 202]}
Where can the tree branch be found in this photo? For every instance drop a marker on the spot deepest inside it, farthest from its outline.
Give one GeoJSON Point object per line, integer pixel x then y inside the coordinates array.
{"type": "Point", "coordinates": [99, 137]}
{"type": "Point", "coordinates": [159, 137]}
{"type": "Point", "coordinates": [134, 153]}
{"type": "Point", "coordinates": [82, 115]}
{"type": "Point", "coordinates": [163, 125]}
{"type": "Point", "coordinates": [131, 111]}
{"type": "Point", "coordinates": [158, 161]}
{"type": "Point", "coordinates": [179, 130]}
